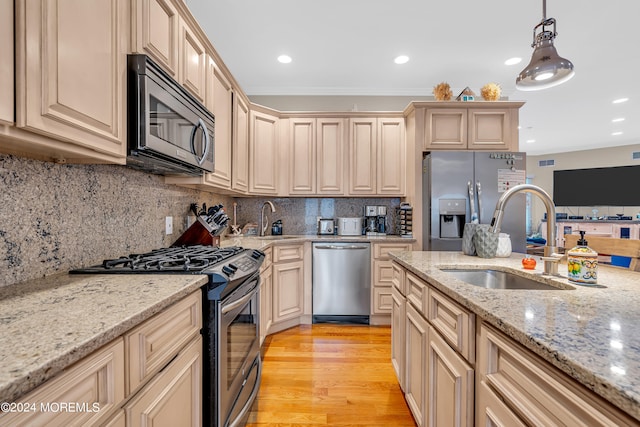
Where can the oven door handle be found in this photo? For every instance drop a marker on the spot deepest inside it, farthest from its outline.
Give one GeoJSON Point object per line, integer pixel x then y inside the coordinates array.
{"type": "Point", "coordinates": [250, 400]}
{"type": "Point", "coordinates": [238, 303]}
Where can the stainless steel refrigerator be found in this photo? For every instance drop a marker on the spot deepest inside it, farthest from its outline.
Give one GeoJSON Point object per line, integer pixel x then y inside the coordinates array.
{"type": "Point", "coordinates": [463, 186]}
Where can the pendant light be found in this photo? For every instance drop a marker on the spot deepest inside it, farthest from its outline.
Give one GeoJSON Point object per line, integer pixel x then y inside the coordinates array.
{"type": "Point", "coordinates": [546, 68]}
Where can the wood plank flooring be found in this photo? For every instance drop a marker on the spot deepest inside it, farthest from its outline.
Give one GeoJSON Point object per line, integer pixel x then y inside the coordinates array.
{"type": "Point", "coordinates": [329, 375]}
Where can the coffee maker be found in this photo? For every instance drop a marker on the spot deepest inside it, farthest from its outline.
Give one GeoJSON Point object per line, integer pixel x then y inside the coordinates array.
{"type": "Point", "coordinates": [371, 220]}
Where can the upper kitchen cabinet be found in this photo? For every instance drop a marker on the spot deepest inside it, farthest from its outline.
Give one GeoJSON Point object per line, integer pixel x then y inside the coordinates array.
{"type": "Point", "coordinates": [165, 32]}
{"type": "Point", "coordinates": [220, 102]}
{"type": "Point", "coordinates": [70, 80]}
{"type": "Point", "coordinates": [471, 126]}
{"type": "Point", "coordinates": [377, 156]}
{"type": "Point", "coordinates": [263, 152]}
{"type": "Point", "coordinates": [6, 62]}
{"type": "Point", "coordinates": [240, 151]}
{"type": "Point", "coordinates": [316, 153]}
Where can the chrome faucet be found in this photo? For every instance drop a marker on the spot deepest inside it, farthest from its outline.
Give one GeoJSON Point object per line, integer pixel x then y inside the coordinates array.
{"type": "Point", "coordinates": [263, 226]}
{"type": "Point", "coordinates": [551, 257]}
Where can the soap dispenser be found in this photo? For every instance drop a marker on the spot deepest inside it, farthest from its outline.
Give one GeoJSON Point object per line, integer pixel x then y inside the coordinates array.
{"type": "Point", "coordinates": [582, 263]}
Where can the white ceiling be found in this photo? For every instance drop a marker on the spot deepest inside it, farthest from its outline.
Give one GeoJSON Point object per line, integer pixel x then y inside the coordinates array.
{"type": "Point", "coordinates": [347, 47]}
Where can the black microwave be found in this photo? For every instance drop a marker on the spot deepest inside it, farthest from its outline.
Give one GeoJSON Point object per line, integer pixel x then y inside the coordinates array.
{"type": "Point", "coordinates": [169, 131]}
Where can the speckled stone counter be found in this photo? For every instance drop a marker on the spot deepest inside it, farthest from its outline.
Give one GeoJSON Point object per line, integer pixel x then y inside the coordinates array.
{"type": "Point", "coordinates": [50, 323]}
{"type": "Point", "coordinates": [255, 242]}
{"type": "Point", "coordinates": [590, 333]}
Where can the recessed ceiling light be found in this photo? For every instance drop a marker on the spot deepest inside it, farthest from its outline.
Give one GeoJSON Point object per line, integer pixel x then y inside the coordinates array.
{"type": "Point", "coordinates": [402, 59]}
{"type": "Point", "coordinates": [619, 119]}
{"type": "Point", "coordinates": [513, 61]}
{"type": "Point", "coordinates": [616, 133]}
{"type": "Point", "coordinates": [620, 100]}
{"type": "Point", "coordinates": [530, 141]}
{"type": "Point", "coordinates": [284, 59]}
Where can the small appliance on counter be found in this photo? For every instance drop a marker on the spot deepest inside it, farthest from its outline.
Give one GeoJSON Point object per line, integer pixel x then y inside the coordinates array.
{"type": "Point", "coordinates": [350, 226]}
{"type": "Point", "coordinates": [326, 226]}
{"type": "Point", "coordinates": [375, 220]}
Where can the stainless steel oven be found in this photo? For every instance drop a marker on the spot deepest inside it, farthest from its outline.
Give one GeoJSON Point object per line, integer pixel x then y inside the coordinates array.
{"type": "Point", "coordinates": [239, 364]}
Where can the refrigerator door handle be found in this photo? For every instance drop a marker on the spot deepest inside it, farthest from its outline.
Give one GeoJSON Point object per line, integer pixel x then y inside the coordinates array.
{"type": "Point", "coordinates": [479, 193]}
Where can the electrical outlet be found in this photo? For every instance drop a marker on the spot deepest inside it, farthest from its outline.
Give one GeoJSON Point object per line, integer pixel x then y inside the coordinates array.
{"type": "Point", "coordinates": [168, 225]}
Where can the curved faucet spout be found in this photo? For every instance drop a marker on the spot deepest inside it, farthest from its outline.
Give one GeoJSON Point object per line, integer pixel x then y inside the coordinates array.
{"type": "Point", "coordinates": [550, 249]}
{"type": "Point", "coordinates": [264, 224]}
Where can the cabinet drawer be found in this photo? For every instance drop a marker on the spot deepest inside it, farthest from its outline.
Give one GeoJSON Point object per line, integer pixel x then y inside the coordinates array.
{"type": "Point", "coordinates": [382, 301]}
{"type": "Point", "coordinates": [456, 324]}
{"type": "Point", "coordinates": [97, 380]}
{"type": "Point", "coordinates": [155, 342]}
{"type": "Point", "coordinates": [288, 253]}
{"type": "Point", "coordinates": [397, 278]}
{"type": "Point", "coordinates": [594, 229]}
{"type": "Point", "coordinates": [538, 392]}
{"type": "Point", "coordinates": [381, 250]}
{"type": "Point", "coordinates": [382, 273]}
{"type": "Point", "coordinates": [417, 292]}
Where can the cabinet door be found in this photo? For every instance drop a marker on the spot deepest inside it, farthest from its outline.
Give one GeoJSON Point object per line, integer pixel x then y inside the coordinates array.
{"type": "Point", "coordinates": [362, 156]}
{"type": "Point", "coordinates": [220, 102]}
{"type": "Point", "coordinates": [416, 341]}
{"type": "Point", "coordinates": [263, 154]}
{"type": "Point", "coordinates": [156, 27]}
{"type": "Point", "coordinates": [174, 396]}
{"type": "Point", "coordinates": [71, 70]}
{"type": "Point", "coordinates": [302, 156]}
{"type": "Point", "coordinates": [6, 62]}
{"type": "Point", "coordinates": [266, 302]}
{"type": "Point", "coordinates": [491, 410]}
{"type": "Point", "coordinates": [192, 61]}
{"type": "Point", "coordinates": [398, 320]}
{"type": "Point", "coordinates": [489, 129]}
{"type": "Point", "coordinates": [240, 152]}
{"type": "Point", "coordinates": [288, 282]}
{"type": "Point", "coordinates": [330, 156]}
{"type": "Point", "coordinates": [450, 395]}
{"type": "Point", "coordinates": [446, 128]}
{"type": "Point", "coordinates": [391, 175]}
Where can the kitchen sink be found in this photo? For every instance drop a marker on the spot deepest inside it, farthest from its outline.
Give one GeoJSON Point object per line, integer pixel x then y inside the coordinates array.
{"type": "Point", "coordinates": [497, 279]}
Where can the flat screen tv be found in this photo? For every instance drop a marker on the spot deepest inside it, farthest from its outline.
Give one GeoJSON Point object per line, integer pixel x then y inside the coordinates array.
{"type": "Point", "coordinates": [615, 186]}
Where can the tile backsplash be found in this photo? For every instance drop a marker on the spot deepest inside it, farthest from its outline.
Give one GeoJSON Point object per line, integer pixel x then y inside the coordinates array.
{"type": "Point", "coordinates": [54, 218]}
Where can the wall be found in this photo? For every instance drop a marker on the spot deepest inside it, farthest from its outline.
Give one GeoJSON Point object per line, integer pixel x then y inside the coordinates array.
{"type": "Point", "coordinates": [604, 157]}
{"type": "Point", "coordinates": [54, 218]}
{"type": "Point", "coordinates": [299, 215]}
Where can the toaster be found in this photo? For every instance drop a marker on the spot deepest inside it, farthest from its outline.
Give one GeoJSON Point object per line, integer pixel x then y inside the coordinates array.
{"type": "Point", "coordinates": [326, 226]}
{"type": "Point", "coordinates": [350, 226]}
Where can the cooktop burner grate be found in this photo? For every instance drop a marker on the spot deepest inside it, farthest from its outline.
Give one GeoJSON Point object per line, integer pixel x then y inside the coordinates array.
{"type": "Point", "coordinates": [183, 258]}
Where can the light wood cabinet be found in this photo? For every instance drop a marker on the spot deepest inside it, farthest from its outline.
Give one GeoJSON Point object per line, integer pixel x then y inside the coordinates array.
{"type": "Point", "coordinates": [288, 282]}
{"type": "Point", "coordinates": [192, 61]}
{"type": "Point", "coordinates": [240, 151]}
{"type": "Point", "coordinates": [263, 153]}
{"type": "Point", "coordinates": [416, 345]}
{"type": "Point", "coordinates": [82, 109]}
{"type": "Point", "coordinates": [95, 384]}
{"type": "Point", "coordinates": [398, 320]}
{"type": "Point", "coordinates": [302, 156]}
{"type": "Point", "coordinates": [382, 273]}
{"type": "Point", "coordinates": [330, 156]}
{"type": "Point", "coordinates": [453, 322]}
{"type": "Point", "coordinates": [377, 156]}
{"type": "Point", "coordinates": [471, 126]}
{"type": "Point", "coordinates": [533, 391]}
{"type": "Point", "coordinates": [266, 295]}
{"type": "Point", "coordinates": [6, 62]}
{"type": "Point", "coordinates": [174, 396]}
{"type": "Point", "coordinates": [220, 102]}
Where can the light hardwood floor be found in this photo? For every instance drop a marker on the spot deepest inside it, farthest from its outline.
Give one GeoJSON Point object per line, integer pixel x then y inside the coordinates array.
{"type": "Point", "coordinates": [329, 375]}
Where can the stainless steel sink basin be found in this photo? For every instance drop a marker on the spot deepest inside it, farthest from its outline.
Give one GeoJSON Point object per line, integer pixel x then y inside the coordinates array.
{"type": "Point", "coordinates": [496, 279]}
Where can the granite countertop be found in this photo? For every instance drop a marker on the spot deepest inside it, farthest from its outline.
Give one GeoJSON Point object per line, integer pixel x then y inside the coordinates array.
{"type": "Point", "coordinates": [255, 242]}
{"type": "Point", "coordinates": [589, 332]}
{"type": "Point", "coordinates": [51, 323]}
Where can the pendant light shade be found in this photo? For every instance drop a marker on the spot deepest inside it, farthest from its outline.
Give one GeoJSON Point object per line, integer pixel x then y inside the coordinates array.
{"type": "Point", "coordinates": [546, 68]}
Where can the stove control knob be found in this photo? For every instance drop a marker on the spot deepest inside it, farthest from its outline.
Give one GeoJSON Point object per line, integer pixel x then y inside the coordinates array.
{"type": "Point", "coordinates": [228, 270]}
{"type": "Point", "coordinates": [256, 254]}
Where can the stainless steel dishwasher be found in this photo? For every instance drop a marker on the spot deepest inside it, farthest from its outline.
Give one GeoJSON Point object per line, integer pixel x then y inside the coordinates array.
{"type": "Point", "coordinates": [341, 282]}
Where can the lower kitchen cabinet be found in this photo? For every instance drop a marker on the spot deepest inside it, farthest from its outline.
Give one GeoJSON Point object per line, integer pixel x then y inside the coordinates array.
{"type": "Point", "coordinates": [382, 274]}
{"type": "Point", "coordinates": [288, 282]}
{"type": "Point", "coordinates": [266, 295]}
{"type": "Point", "coordinates": [398, 320]}
{"type": "Point", "coordinates": [174, 396]}
{"type": "Point", "coordinates": [416, 342]}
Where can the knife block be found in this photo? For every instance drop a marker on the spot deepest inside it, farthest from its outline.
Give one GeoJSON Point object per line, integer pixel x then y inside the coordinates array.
{"type": "Point", "coordinates": [198, 234]}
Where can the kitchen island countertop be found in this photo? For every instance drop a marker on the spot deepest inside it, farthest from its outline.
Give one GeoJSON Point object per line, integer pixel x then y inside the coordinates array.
{"type": "Point", "coordinates": [590, 332]}
{"type": "Point", "coordinates": [50, 323]}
